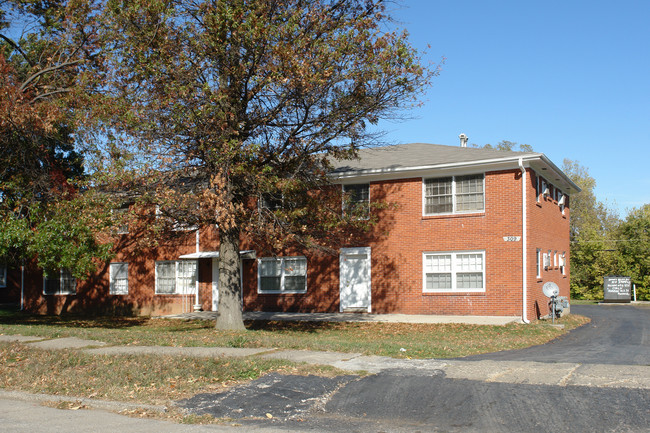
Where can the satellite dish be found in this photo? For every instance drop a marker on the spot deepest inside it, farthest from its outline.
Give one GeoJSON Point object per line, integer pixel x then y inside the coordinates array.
{"type": "Point", "coordinates": [550, 289]}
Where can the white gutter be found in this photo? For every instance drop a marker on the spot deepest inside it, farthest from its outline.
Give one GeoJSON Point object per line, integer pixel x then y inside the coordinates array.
{"type": "Point", "coordinates": [524, 236]}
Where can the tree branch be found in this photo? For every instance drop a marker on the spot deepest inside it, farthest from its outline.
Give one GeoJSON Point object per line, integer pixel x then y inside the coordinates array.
{"type": "Point", "coordinates": [17, 48]}
{"type": "Point", "coordinates": [48, 94]}
{"type": "Point", "coordinates": [46, 70]}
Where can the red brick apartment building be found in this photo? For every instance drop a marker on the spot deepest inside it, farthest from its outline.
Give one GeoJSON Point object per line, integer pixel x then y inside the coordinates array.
{"type": "Point", "coordinates": [466, 231]}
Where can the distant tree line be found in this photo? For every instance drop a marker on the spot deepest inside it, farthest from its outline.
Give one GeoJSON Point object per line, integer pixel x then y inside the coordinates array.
{"type": "Point", "coordinates": [507, 145]}
{"type": "Point", "coordinates": [604, 244]}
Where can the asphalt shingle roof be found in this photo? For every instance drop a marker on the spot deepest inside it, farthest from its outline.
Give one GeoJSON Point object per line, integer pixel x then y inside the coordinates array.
{"type": "Point", "coordinates": [403, 156]}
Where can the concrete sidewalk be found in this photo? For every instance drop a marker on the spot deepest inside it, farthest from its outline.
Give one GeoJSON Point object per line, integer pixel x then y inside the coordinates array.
{"type": "Point", "coordinates": [354, 317]}
{"type": "Point", "coordinates": [26, 414]}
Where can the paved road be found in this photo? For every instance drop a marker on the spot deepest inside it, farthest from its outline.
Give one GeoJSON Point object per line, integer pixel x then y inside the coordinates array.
{"type": "Point", "coordinates": [386, 402]}
{"type": "Point", "coordinates": [417, 401]}
{"type": "Point", "coordinates": [618, 334]}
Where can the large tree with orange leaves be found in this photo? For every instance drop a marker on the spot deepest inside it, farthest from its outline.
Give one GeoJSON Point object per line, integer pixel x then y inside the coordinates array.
{"type": "Point", "coordinates": [45, 47]}
{"type": "Point", "coordinates": [237, 100]}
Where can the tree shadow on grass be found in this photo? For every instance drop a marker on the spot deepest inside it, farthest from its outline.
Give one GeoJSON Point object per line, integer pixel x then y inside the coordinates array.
{"type": "Point", "coordinates": [284, 326]}
{"type": "Point", "coordinates": [13, 316]}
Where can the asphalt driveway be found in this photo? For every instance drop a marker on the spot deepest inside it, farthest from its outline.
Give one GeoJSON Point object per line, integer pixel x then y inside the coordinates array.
{"type": "Point", "coordinates": [618, 334]}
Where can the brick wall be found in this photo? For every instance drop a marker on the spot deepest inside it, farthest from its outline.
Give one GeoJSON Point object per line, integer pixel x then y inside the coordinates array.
{"type": "Point", "coordinates": [397, 243]}
{"type": "Point", "coordinates": [548, 229]}
{"type": "Point", "coordinates": [93, 294]}
{"type": "Point", "coordinates": [403, 234]}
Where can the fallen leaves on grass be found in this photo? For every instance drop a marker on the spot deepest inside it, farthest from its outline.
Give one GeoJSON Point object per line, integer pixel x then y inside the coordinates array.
{"type": "Point", "coordinates": [145, 378]}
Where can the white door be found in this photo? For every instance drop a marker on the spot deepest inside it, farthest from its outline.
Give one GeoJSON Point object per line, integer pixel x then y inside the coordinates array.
{"type": "Point", "coordinates": [354, 279]}
{"type": "Point", "coordinates": [215, 284]}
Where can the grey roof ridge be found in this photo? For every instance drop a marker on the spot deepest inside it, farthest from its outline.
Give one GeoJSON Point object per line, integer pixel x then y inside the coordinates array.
{"type": "Point", "coordinates": [508, 157]}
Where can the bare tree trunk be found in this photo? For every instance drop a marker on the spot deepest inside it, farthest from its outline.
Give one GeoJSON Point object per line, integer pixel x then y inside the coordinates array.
{"type": "Point", "coordinates": [229, 313]}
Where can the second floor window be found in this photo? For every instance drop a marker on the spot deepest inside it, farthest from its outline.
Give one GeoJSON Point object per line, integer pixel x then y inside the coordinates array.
{"type": "Point", "coordinates": [356, 199]}
{"type": "Point", "coordinates": [454, 194]}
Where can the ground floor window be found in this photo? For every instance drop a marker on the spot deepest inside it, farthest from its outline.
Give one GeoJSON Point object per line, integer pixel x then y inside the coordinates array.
{"type": "Point", "coordinates": [59, 283]}
{"type": "Point", "coordinates": [282, 275]}
{"type": "Point", "coordinates": [454, 271]}
{"type": "Point", "coordinates": [176, 277]}
{"type": "Point", "coordinates": [119, 274]}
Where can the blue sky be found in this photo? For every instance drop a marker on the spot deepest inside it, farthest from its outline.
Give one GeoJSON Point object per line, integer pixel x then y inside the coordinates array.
{"type": "Point", "coordinates": [571, 78]}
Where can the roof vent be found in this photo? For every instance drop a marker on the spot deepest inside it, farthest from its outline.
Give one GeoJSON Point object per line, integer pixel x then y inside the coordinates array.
{"type": "Point", "coordinates": [463, 140]}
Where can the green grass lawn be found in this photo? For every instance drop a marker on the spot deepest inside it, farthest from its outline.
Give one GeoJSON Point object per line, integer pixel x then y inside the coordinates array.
{"type": "Point", "coordinates": [370, 338]}
{"type": "Point", "coordinates": [585, 301]}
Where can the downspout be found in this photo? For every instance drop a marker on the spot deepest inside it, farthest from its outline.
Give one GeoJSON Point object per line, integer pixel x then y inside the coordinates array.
{"type": "Point", "coordinates": [524, 241]}
{"type": "Point", "coordinates": [197, 305]}
{"type": "Point", "coordinates": [22, 286]}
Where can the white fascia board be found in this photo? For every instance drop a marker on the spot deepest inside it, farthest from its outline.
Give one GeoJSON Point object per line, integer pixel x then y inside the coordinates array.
{"type": "Point", "coordinates": [417, 171]}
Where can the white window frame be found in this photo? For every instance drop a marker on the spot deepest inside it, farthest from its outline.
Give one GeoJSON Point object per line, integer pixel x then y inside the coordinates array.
{"type": "Point", "coordinates": [563, 263]}
{"type": "Point", "coordinates": [119, 213]}
{"type": "Point", "coordinates": [539, 263]}
{"type": "Point", "coordinates": [454, 194]}
{"type": "Point", "coordinates": [561, 201]}
{"type": "Point", "coordinates": [454, 271]}
{"type": "Point", "coordinates": [3, 275]}
{"type": "Point", "coordinates": [63, 278]}
{"type": "Point", "coordinates": [544, 186]}
{"type": "Point", "coordinates": [115, 288]}
{"type": "Point", "coordinates": [283, 275]}
{"type": "Point", "coordinates": [180, 288]}
{"type": "Point", "coordinates": [357, 203]}
{"type": "Point", "coordinates": [547, 260]}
